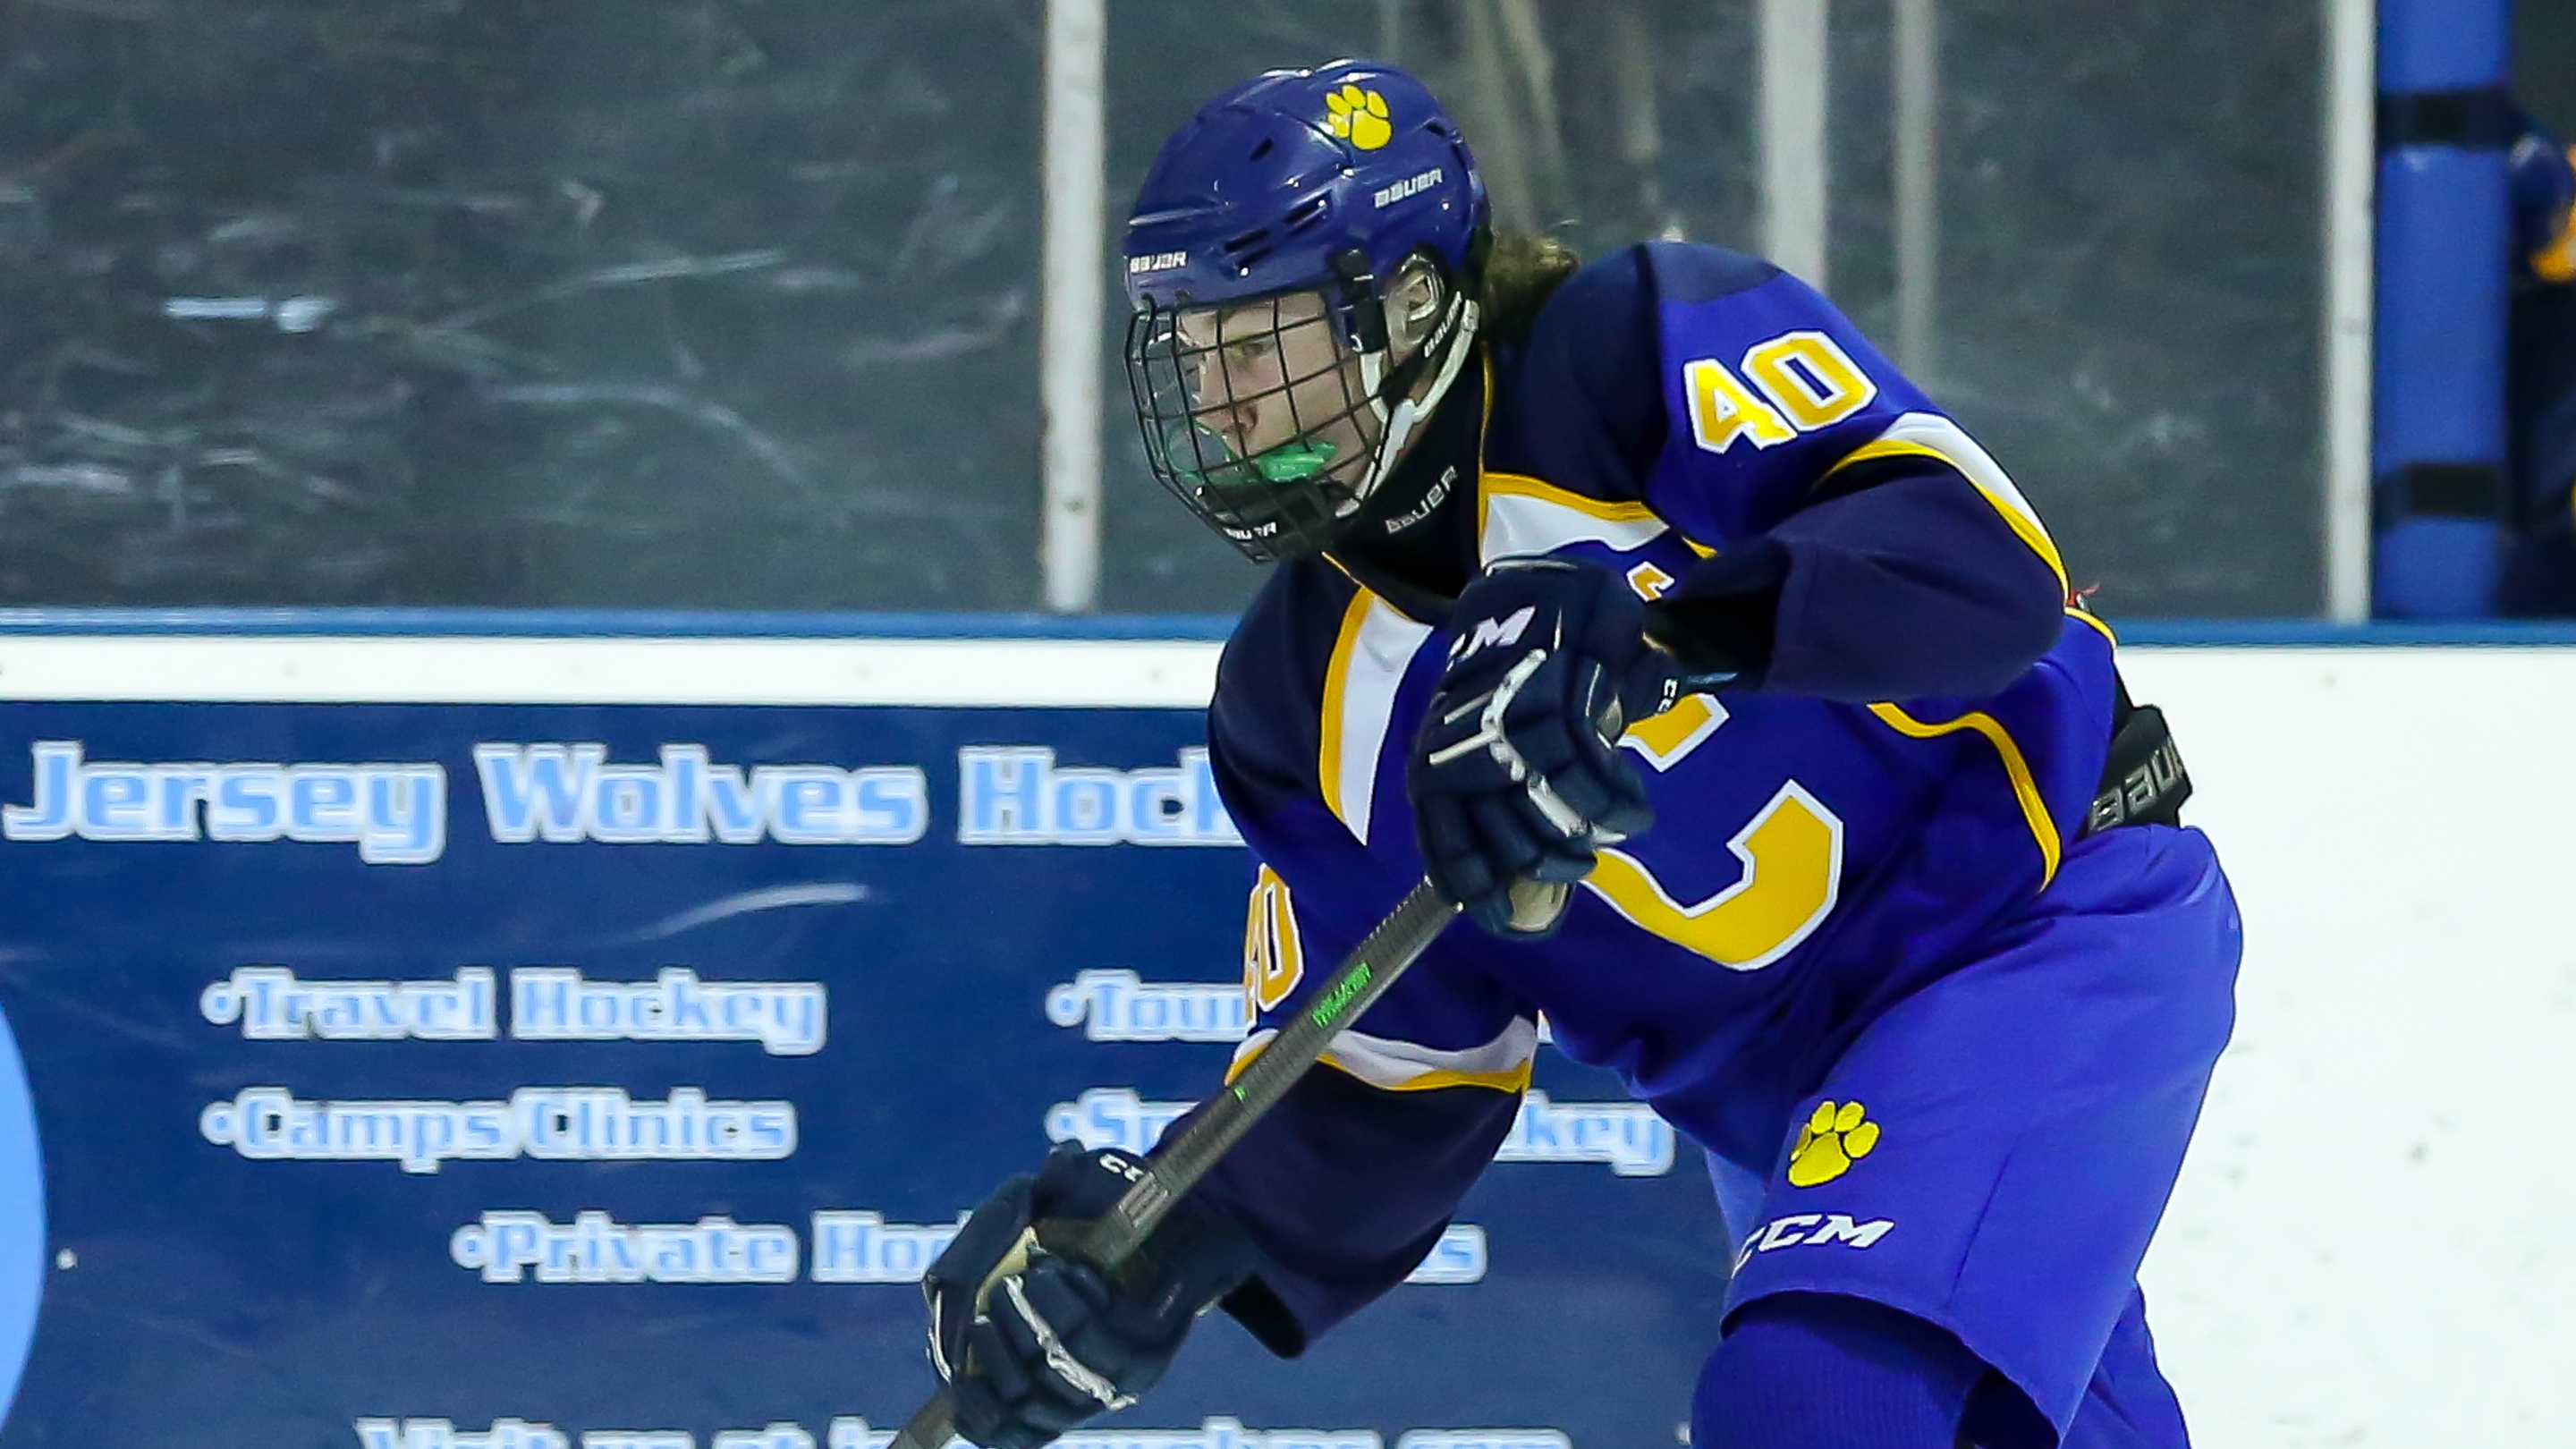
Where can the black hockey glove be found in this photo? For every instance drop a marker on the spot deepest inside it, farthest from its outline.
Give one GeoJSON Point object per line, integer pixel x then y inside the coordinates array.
{"type": "Point", "coordinates": [1517, 776]}
{"type": "Point", "coordinates": [1032, 1344]}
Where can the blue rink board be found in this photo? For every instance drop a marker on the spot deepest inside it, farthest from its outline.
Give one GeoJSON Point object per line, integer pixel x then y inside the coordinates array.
{"type": "Point", "coordinates": [204, 1286]}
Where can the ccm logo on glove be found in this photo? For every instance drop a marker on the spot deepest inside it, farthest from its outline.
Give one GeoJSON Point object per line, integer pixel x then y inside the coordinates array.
{"type": "Point", "coordinates": [1489, 632]}
{"type": "Point", "coordinates": [1516, 778]}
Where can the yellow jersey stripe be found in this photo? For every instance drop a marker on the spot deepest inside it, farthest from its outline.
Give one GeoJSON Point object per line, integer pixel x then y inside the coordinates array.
{"type": "Point", "coordinates": [1886, 448]}
{"type": "Point", "coordinates": [1244, 1053]}
{"type": "Point", "coordinates": [2095, 624]}
{"type": "Point", "coordinates": [1520, 485]}
{"type": "Point", "coordinates": [1337, 674]}
{"type": "Point", "coordinates": [2031, 533]}
{"type": "Point", "coordinates": [2034, 810]}
{"type": "Point", "coordinates": [2025, 527]}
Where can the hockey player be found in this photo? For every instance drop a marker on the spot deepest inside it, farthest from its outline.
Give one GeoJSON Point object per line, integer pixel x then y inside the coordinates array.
{"type": "Point", "coordinates": [1739, 697]}
{"type": "Point", "coordinates": [2539, 574]}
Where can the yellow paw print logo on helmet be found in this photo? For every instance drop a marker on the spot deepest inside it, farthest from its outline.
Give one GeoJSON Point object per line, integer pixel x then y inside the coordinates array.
{"type": "Point", "coordinates": [1829, 1142]}
{"type": "Point", "coordinates": [1359, 117]}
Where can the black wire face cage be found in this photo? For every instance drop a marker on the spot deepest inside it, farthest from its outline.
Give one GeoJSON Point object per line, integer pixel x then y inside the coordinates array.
{"type": "Point", "coordinates": [1276, 462]}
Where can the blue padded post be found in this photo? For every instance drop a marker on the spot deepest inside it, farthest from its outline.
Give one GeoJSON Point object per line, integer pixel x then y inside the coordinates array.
{"type": "Point", "coordinates": [2438, 452]}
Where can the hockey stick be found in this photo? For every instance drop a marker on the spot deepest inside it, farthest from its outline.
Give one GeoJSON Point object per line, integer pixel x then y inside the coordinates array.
{"type": "Point", "coordinates": [1177, 1163]}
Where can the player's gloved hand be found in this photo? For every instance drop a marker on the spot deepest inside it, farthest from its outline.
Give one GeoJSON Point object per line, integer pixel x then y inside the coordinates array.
{"type": "Point", "coordinates": [1517, 777]}
{"type": "Point", "coordinates": [1032, 1344]}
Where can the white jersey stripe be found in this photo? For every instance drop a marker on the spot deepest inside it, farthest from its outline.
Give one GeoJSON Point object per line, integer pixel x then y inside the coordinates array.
{"type": "Point", "coordinates": [1524, 517]}
{"type": "Point", "coordinates": [1369, 661]}
{"type": "Point", "coordinates": [1395, 1066]}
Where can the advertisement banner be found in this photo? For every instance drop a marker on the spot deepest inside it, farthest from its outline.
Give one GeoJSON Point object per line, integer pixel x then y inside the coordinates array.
{"type": "Point", "coordinates": [532, 1075]}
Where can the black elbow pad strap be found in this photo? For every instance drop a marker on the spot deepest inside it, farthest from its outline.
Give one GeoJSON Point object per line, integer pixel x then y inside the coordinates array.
{"type": "Point", "coordinates": [2143, 781]}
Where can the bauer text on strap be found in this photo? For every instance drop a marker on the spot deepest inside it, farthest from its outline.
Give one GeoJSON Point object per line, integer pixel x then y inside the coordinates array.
{"type": "Point", "coordinates": [2143, 782]}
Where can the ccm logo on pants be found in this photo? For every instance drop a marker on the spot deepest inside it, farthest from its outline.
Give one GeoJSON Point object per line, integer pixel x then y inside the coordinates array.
{"type": "Point", "coordinates": [1793, 1230]}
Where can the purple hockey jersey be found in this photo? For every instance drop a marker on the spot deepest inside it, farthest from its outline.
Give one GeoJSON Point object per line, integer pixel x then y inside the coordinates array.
{"type": "Point", "coordinates": [1814, 859]}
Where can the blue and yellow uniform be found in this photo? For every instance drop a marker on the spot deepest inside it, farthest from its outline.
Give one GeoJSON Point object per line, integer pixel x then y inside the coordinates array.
{"type": "Point", "coordinates": [1940, 1005]}
{"type": "Point", "coordinates": [1943, 1047]}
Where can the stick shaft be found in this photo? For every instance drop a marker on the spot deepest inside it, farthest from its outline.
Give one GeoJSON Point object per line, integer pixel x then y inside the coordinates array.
{"type": "Point", "coordinates": [931, 1428]}
{"type": "Point", "coordinates": [1176, 1165]}
{"type": "Point", "coordinates": [1179, 1161]}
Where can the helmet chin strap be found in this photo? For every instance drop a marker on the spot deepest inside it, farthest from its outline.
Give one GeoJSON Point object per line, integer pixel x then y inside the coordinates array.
{"type": "Point", "coordinates": [1396, 424]}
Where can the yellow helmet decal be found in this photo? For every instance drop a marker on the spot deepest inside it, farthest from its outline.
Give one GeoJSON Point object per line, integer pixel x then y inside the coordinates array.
{"type": "Point", "coordinates": [1359, 117]}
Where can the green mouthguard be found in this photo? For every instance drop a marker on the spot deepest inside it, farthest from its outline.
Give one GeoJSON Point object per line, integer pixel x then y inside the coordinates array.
{"type": "Point", "coordinates": [1294, 462]}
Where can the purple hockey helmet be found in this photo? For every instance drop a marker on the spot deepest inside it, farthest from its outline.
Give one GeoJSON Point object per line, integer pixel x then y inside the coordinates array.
{"type": "Point", "coordinates": [1260, 258]}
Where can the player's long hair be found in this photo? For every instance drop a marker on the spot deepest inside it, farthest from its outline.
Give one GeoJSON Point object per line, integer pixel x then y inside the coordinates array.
{"type": "Point", "coordinates": [1521, 272]}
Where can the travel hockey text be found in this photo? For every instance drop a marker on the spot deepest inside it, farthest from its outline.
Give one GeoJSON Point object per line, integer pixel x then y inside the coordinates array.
{"type": "Point", "coordinates": [557, 1003]}
{"type": "Point", "coordinates": [547, 1003]}
{"type": "Point", "coordinates": [273, 1005]}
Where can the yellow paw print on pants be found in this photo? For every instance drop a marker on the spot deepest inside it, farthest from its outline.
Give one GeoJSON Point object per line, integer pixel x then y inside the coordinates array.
{"type": "Point", "coordinates": [1359, 117]}
{"type": "Point", "coordinates": [1829, 1142]}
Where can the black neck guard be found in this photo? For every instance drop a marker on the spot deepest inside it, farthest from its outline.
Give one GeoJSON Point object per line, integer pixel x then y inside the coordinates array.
{"type": "Point", "coordinates": [1414, 542]}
